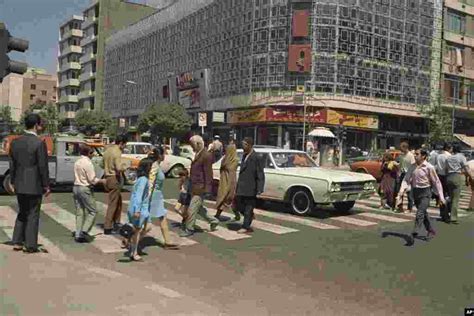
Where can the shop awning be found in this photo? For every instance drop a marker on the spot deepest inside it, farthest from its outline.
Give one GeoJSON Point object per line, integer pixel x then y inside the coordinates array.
{"type": "Point", "coordinates": [468, 140]}
{"type": "Point", "coordinates": [321, 132]}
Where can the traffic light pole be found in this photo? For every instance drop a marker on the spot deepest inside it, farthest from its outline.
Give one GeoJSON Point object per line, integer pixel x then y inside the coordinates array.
{"type": "Point", "coordinates": [7, 44]}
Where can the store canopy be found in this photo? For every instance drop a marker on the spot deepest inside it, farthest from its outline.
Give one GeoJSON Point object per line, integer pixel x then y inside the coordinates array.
{"type": "Point", "coordinates": [322, 132]}
{"type": "Point", "coordinates": [468, 140]}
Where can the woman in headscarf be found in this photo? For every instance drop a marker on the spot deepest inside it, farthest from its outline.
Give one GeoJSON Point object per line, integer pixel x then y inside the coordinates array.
{"type": "Point", "coordinates": [390, 171]}
{"type": "Point", "coordinates": [227, 182]}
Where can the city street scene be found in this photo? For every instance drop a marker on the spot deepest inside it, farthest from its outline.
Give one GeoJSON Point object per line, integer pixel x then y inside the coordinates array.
{"type": "Point", "coordinates": [237, 157]}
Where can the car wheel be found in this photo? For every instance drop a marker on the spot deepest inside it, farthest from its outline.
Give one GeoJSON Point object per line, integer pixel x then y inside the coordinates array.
{"type": "Point", "coordinates": [361, 170]}
{"type": "Point", "coordinates": [301, 202]}
{"type": "Point", "coordinates": [344, 206]}
{"type": "Point", "coordinates": [7, 185]}
{"type": "Point", "coordinates": [174, 172]}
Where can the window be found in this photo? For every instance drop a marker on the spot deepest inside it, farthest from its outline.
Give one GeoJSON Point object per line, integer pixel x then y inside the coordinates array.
{"type": "Point", "coordinates": [456, 22]}
{"type": "Point", "coordinates": [452, 90]}
{"type": "Point", "coordinates": [72, 149]}
{"type": "Point", "coordinates": [44, 92]}
{"type": "Point", "coordinates": [33, 87]}
{"type": "Point", "coordinates": [166, 92]}
{"type": "Point", "coordinates": [32, 96]}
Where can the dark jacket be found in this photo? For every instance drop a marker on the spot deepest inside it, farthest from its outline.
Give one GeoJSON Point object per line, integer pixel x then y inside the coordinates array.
{"type": "Point", "coordinates": [251, 176]}
{"type": "Point", "coordinates": [201, 173]}
{"type": "Point", "coordinates": [29, 165]}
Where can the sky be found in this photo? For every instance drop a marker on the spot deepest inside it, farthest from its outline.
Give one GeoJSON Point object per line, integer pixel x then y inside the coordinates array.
{"type": "Point", "coordinates": [38, 22]}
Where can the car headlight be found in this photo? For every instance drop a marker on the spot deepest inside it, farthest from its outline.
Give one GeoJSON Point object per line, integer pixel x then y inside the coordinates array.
{"type": "Point", "coordinates": [369, 186]}
{"type": "Point", "coordinates": [335, 187]}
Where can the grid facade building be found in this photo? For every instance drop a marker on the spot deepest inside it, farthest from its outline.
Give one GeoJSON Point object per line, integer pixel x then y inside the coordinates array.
{"type": "Point", "coordinates": [373, 56]}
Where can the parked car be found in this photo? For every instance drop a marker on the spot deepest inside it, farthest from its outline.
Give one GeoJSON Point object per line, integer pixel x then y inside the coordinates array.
{"type": "Point", "coordinates": [373, 165]}
{"type": "Point", "coordinates": [186, 151]}
{"type": "Point", "coordinates": [60, 163]}
{"type": "Point", "coordinates": [292, 176]}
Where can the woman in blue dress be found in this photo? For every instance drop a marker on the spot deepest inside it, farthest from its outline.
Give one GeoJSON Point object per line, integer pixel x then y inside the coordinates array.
{"type": "Point", "coordinates": [139, 207]}
{"type": "Point", "coordinates": [157, 203]}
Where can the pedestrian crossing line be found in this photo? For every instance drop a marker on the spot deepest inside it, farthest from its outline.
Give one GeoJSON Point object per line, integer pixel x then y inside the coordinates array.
{"type": "Point", "coordinates": [353, 221]}
{"type": "Point", "coordinates": [104, 243]}
{"type": "Point", "coordinates": [431, 210]}
{"type": "Point", "coordinates": [156, 233]}
{"type": "Point", "coordinates": [272, 228]}
{"type": "Point", "coordinates": [225, 234]}
{"type": "Point", "coordinates": [53, 251]}
{"type": "Point", "coordinates": [386, 218]}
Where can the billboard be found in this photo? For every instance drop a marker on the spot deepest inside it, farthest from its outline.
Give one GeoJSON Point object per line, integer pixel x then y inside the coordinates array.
{"type": "Point", "coordinates": [295, 115]}
{"type": "Point", "coordinates": [352, 120]}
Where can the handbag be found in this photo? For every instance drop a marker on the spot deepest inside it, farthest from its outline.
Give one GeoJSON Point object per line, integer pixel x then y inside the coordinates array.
{"type": "Point", "coordinates": [126, 231]}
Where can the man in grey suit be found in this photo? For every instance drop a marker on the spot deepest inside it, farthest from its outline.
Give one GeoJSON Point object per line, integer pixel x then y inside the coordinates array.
{"type": "Point", "coordinates": [30, 179]}
{"type": "Point", "coordinates": [250, 184]}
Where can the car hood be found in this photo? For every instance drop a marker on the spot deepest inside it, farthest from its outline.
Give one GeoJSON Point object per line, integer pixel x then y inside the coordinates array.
{"type": "Point", "coordinates": [327, 174]}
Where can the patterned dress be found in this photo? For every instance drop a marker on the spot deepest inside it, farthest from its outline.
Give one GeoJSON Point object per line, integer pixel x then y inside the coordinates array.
{"type": "Point", "coordinates": [139, 202]}
{"type": "Point", "coordinates": [155, 182]}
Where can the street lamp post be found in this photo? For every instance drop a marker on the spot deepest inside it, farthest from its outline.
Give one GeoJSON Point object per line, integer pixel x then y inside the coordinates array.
{"type": "Point", "coordinates": [127, 85]}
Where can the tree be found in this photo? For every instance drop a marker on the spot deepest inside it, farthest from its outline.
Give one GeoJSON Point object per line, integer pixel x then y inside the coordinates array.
{"type": "Point", "coordinates": [440, 122]}
{"type": "Point", "coordinates": [6, 114]}
{"type": "Point", "coordinates": [49, 116]}
{"type": "Point", "coordinates": [94, 122]}
{"type": "Point", "coordinates": [165, 120]}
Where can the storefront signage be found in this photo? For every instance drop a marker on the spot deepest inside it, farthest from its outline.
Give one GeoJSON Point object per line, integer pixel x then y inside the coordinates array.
{"type": "Point", "coordinates": [352, 120]}
{"type": "Point", "coordinates": [292, 115]}
{"type": "Point", "coordinates": [218, 117]}
{"type": "Point", "coordinates": [202, 120]}
{"type": "Point", "coordinates": [247, 116]}
{"type": "Point", "coordinates": [190, 98]}
{"type": "Point", "coordinates": [186, 81]}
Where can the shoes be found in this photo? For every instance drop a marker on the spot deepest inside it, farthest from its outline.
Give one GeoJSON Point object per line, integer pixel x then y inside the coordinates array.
{"type": "Point", "coordinates": [171, 247]}
{"type": "Point", "coordinates": [186, 233]}
{"type": "Point", "coordinates": [245, 231]}
{"type": "Point", "coordinates": [117, 226]}
{"type": "Point", "coordinates": [214, 226]}
{"type": "Point", "coordinates": [431, 234]}
{"type": "Point", "coordinates": [237, 218]}
{"type": "Point", "coordinates": [136, 258]}
{"type": "Point", "coordinates": [31, 250]}
{"type": "Point", "coordinates": [109, 232]}
{"type": "Point", "coordinates": [17, 248]}
{"type": "Point", "coordinates": [80, 240]}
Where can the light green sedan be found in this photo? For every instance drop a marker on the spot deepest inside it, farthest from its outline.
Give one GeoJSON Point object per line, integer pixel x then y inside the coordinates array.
{"type": "Point", "coordinates": [293, 177]}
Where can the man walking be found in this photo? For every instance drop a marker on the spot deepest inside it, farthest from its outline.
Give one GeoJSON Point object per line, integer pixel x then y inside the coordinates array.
{"type": "Point", "coordinates": [440, 165]}
{"type": "Point", "coordinates": [113, 168]}
{"type": "Point", "coordinates": [456, 166]}
{"type": "Point", "coordinates": [250, 184]}
{"type": "Point", "coordinates": [201, 186]}
{"type": "Point", "coordinates": [84, 180]}
{"type": "Point", "coordinates": [422, 178]}
{"type": "Point", "coordinates": [30, 178]}
{"type": "Point", "coordinates": [406, 159]}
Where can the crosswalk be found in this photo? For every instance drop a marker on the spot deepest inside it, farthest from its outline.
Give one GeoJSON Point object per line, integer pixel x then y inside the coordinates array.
{"type": "Point", "coordinates": [365, 215]}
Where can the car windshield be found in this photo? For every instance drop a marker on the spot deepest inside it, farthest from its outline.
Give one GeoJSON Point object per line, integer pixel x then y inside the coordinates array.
{"type": "Point", "coordinates": [142, 149]}
{"type": "Point", "coordinates": [290, 160]}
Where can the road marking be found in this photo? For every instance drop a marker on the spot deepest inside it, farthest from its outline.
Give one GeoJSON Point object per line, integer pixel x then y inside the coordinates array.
{"type": "Point", "coordinates": [272, 228]}
{"type": "Point", "coordinates": [352, 221]}
{"type": "Point", "coordinates": [385, 217]}
{"type": "Point", "coordinates": [104, 243]}
{"type": "Point", "coordinates": [105, 272]}
{"type": "Point", "coordinates": [163, 291]}
{"type": "Point", "coordinates": [53, 251]}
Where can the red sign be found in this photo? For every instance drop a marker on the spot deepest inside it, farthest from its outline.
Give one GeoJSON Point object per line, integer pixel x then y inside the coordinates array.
{"type": "Point", "coordinates": [300, 23]}
{"type": "Point", "coordinates": [292, 115]}
{"type": "Point", "coordinates": [299, 58]}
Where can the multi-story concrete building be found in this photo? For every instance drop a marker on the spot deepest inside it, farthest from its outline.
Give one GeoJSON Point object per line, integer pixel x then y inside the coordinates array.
{"type": "Point", "coordinates": [69, 67]}
{"type": "Point", "coordinates": [369, 65]}
{"type": "Point", "coordinates": [21, 91]}
{"type": "Point", "coordinates": [458, 63]}
{"type": "Point", "coordinates": [101, 19]}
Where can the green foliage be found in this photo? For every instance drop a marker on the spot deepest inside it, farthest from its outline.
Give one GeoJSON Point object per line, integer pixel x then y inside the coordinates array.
{"type": "Point", "coordinates": [94, 122]}
{"type": "Point", "coordinates": [6, 114]}
{"type": "Point", "coordinates": [49, 116]}
{"type": "Point", "coordinates": [165, 120]}
{"type": "Point", "coordinates": [440, 124]}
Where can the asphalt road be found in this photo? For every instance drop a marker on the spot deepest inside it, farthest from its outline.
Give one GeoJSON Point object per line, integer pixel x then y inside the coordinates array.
{"type": "Point", "coordinates": [326, 264]}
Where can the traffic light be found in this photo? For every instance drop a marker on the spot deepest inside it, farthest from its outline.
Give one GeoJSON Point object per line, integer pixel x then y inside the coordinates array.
{"type": "Point", "coordinates": [7, 44]}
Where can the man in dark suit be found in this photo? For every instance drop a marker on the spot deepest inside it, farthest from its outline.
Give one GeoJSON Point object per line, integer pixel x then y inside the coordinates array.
{"type": "Point", "coordinates": [251, 183]}
{"type": "Point", "coordinates": [30, 179]}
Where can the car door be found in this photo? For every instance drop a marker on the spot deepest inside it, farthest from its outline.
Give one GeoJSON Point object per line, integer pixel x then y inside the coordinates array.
{"type": "Point", "coordinates": [66, 155]}
{"type": "Point", "coordinates": [272, 189]}
{"type": "Point", "coordinates": [129, 151]}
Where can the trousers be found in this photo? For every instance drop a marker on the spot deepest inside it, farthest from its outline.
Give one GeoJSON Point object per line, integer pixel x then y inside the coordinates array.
{"type": "Point", "coordinates": [114, 208]}
{"type": "Point", "coordinates": [422, 199]}
{"type": "Point", "coordinates": [245, 205]}
{"type": "Point", "coordinates": [454, 182]}
{"type": "Point", "coordinates": [27, 222]}
{"type": "Point", "coordinates": [86, 211]}
{"type": "Point", "coordinates": [197, 207]}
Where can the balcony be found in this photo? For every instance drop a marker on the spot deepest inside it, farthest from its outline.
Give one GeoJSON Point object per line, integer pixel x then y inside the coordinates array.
{"type": "Point", "coordinates": [88, 40]}
{"type": "Point", "coordinates": [87, 58]}
{"type": "Point", "coordinates": [71, 33]}
{"type": "Point", "coordinates": [69, 99]}
{"type": "Point", "coordinates": [70, 66]}
{"type": "Point", "coordinates": [90, 21]}
{"type": "Point", "coordinates": [453, 70]}
{"type": "Point", "coordinates": [86, 94]}
{"type": "Point", "coordinates": [460, 5]}
{"type": "Point", "coordinates": [69, 83]}
{"type": "Point", "coordinates": [86, 76]}
{"type": "Point", "coordinates": [71, 49]}
{"type": "Point", "coordinates": [463, 39]}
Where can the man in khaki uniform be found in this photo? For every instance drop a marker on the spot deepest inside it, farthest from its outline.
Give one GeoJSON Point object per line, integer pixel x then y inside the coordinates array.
{"type": "Point", "coordinates": [113, 168]}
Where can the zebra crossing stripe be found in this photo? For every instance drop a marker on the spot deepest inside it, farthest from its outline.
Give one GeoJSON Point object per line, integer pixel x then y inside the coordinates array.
{"type": "Point", "coordinates": [385, 218]}
{"type": "Point", "coordinates": [104, 243]}
{"type": "Point", "coordinates": [272, 228]}
{"type": "Point", "coordinates": [53, 251]}
{"type": "Point", "coordinates": [353, 221]}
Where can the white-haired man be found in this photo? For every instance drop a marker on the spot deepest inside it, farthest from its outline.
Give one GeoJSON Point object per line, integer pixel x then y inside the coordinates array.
{"type": "Point", "coordinates": [201, 186]}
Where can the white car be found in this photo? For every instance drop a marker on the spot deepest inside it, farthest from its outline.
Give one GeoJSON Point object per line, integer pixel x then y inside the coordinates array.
{"type": "Point", "coordinates": [293, 177]}
{"type": "Point", "coordinates": [171, 165]}
{"type": "Point", "coordinates": [186, 151]}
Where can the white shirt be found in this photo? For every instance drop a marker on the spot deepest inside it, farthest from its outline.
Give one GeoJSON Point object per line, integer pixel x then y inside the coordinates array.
{"type": "Point", "coordinates": [31, 132]}
{"type": "Point", "coordinates": [84, 173]}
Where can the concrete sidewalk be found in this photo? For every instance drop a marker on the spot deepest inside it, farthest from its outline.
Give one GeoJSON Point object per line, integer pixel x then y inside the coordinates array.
{"type": "Point", "coordinates": [33, 284]}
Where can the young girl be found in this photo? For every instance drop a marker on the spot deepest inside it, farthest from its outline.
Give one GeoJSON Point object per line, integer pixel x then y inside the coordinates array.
{"type": "Point", "coordinates": [138, 210]}
{"type": "Point", "coordinates": [184, 198]}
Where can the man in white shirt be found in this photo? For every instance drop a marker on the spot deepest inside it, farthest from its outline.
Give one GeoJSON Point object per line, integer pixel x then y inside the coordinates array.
{"type": "Point", "coordinates": [440, 165]}
{"type": "Point", "coordinates": [406, 160]}
{"type": "Point", "coordinates": [84, 179]}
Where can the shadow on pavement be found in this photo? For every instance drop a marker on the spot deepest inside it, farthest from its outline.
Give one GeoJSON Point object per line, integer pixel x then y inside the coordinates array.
{"type": "Point", "coordinates": [409, 241]}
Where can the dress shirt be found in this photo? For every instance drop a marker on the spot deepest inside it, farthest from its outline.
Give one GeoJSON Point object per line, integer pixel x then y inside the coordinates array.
{"type": "Point", "coordinates": [456, 163]}
{"type": "Point", "coordinates": [84, 173]}
{"type": "Point", "coordinates": [31, 132]}
{"type": "Point", "coordinates": [421, 177]}
{"type": "Point", "coordinates": [440, 165]}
